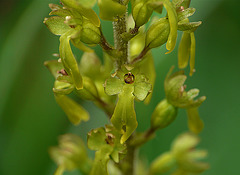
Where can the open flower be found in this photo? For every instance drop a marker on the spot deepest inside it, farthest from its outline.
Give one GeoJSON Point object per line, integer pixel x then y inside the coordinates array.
{"type": "Point", "coordinates": [178, 97]}
{"type": "Point", "coordinates": [128, 85]}
{"type": "Point", "coordinates": [70, 154]}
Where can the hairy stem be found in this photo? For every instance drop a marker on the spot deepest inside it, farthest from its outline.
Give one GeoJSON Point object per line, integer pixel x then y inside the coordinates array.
{"type": "Point", "coordinates": [120, 27]}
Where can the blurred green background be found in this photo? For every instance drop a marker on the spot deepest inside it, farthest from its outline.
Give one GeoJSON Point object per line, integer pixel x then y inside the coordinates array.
{"type": "Point", "coordinates": [31, 121]}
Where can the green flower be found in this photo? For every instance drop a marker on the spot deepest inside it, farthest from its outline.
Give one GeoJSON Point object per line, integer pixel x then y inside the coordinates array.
{"type": "Point", "coordinates": [127, 85]}
{"type": "Point", "coordinates": [106, 143]}
{"type": "Point", "coordinates": [63, 86]}
{"type": "Point", "coordinates": [70, 154]}
{"type": "Point", "coordinates": [178, 97]}
{"type": "Point", "coordinates": [183, 158]}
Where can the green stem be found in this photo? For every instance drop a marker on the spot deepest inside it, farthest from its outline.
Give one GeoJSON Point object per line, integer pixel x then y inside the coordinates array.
{"type": "Point", "coordinates": [120, 27]}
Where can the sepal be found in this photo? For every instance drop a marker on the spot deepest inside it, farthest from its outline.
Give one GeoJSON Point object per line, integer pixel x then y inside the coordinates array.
{"type": "Point", "coordinates": [73, 110]}
{"type": "Point", "coordinates": [56, 25]}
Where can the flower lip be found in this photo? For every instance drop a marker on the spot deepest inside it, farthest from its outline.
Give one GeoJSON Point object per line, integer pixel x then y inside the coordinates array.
{"type": "Point", "coordinates": [129, 78]}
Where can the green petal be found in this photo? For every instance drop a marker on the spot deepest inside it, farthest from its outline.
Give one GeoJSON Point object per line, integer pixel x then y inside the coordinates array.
{"type": "Point", "coordinates": [195, 124]}
{"type": "Point", "coordinates": [54, 7]}
{"type": "Point", "coordinates": [89, 91]}
{"type": "Point", "coordinates": [192, 52]}
{"type": "Point", "coordinates": [87, 3]}
{"type": "Point", "coordinates": [141, 87]}
{"type": "Point", "coordinates": [147, 68]}
{"type": "Point", "coordinates": [186, 3]}
{"type": "Point", "coordinates": [86, 12]}
{"type": "Point", "coordinates": [110, 9]}
{"type": "Point", "coordinates": [96, 139]}
{"type": "Point", "coordinates": [56, 25]}
{"type": "Point", "coordinates": [163, 164]}
{"type": "Point", "coordinates": [59, 170]}
{"type": "Point", "coordinates": [54, 66]}
{"type": "Point", "coordinates": [173, 21]}
{"type": "Point", "coordinates": [124, 116]}
{"type": "Point", "coordinates": [60, 12]}
{"type": "Point", "coordinates": [73, 110]}
{"type": "Point", "coordinates": [78, 44]}
{"type": "Point", "coordinates": [184, 50]}
{"type": "Point", "coordinates": [101, 161]}
{"type": "Point", "coordinates": [69, 61]}
{"type": "Point", "coordinates": [186, 13]}
{"type": "Point", "coordinates": [62, 88]}
{"type": "Point", "coordinates": [188, 26]}
{"type": "Point", "coordinates": [113, 86]}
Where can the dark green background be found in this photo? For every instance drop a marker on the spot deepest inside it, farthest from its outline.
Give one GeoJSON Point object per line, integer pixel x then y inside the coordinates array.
{"type": "Point", "coordinates": [30, 120]}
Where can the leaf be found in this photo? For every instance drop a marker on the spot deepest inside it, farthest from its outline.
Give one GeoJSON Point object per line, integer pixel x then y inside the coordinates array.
{"type": "Point", "coordinates": [56, 25]}
{"type": "Point", "coordinates": [54, 66]}
{"type": "Point", "coordinates": [73, 110]}
{"type": "Point", "coordinates": [184, 50]}
{"type": "Point", "coordinates": [124, 116]}
{"type": "Point", "coordinates": [109, 9]}
{"type": "Point", "coordinates": [195, 124]}
{"type": "Point", "coordinates": [69, 61]}
{"type": "Point", "coordinates": [172, 16]}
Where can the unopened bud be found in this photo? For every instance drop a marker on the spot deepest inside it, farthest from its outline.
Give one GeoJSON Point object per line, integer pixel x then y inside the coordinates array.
{"type": "Point", "coordinates": [163, 115]}
{"type": "Point", "coordinates": [158, 33]}
{"type": "Point", "coordinates": [141, 13]}
{"type": "Point", "coordinates": [90, 33]}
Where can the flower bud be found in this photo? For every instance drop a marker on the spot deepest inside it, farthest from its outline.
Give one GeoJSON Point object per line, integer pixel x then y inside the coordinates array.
{"type": "Point", "coordinates": [158, 33]}
{"type": "Point", "coordinates": [90, 33]}
{"type": "Point", "coordinates": [109, 9]}
{"type": "Point", "coordinates": [141, 12]}
{"type": "Point", "coordinates": [163, 115]}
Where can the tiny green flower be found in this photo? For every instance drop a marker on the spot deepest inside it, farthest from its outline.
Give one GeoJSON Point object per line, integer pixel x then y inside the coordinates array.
{"type": "Point", "coordinates": [182, 159]}
{"type": "Point", "coordinates": [127, 85]}
{"type": "Point", "coordinates": [106, 143]}
{"type": "Point", "coordinates": [70, 154]}
{"type": "Point", "coordinates": [178, 97]}
{"type": "Point", "coordinates": [183, 149]}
